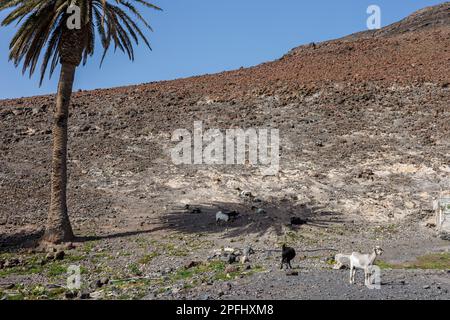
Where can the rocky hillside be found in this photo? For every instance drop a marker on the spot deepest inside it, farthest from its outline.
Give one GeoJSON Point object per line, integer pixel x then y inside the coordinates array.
{"type": "Point", "coordinates": [364, 124]}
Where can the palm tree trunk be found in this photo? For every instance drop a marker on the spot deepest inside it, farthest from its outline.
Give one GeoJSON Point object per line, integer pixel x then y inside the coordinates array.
{"type": "Point", "coordinates": [58, 228]}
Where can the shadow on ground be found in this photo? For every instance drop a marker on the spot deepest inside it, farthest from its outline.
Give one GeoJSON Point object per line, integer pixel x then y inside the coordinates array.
{"type": "Point", "coordinates": [201, 218]}
{"type": "Point", "coordinates": [21, 239]}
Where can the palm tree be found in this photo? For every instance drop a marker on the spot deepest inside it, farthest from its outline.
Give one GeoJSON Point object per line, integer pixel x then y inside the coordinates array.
{"type": "Point", "coordinates": [47, 26]}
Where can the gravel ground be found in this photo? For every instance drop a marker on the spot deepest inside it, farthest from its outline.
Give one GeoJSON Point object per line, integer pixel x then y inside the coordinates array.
{"type": "Point", "coordinates": [332, 284]}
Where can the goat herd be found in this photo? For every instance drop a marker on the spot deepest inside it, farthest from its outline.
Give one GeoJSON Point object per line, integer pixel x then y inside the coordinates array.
{"type": "Point", "coordinates": [357, 261]}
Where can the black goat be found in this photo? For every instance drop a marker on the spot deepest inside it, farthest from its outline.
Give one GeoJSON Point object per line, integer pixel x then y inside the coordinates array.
{"type": "Point", "coordinates": [287, 255]}
{"type": "Point", "coordinates": [296, 221]}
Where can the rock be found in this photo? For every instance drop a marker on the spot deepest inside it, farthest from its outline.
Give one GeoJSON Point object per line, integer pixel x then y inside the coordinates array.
{"type": "Point", "coordinates": [192, 264]}
{"type": "Point", "coordinates": [60, 255]}
{"type": "Point", "coordinates": [150, 296]}
{"type": "Point", "coordinates": [85, 295]}
{"type": "Point", "coordinates": [410, 205]}
{"type": "Point", "coordinates": [166, 271]}
{"type": "Point", "coordinates": [104, 281]}
{"type": "Point", "coordinates": [9, 286]}
{"type": "Point", "coordinates": [96, 295]}
{"type": "Point", "coordinates": [426, 287]}
{"type": "Point", "coordinates": [49, 256]}
{"type": "Point", "coordinates": [196, 211]}
{"type": "Point", "coordinates": [292, 273]}
{"type": "Point", "coordinates": [13, 262]}
{"type": "Point", "coordinates": [298, 221]}
{"type": "Point", "coordinates": [71, 294]}
{"type": "Point", "coordinates": [231, 269]}
{"type": "Point", "coordinates": [227, 286]}
{"type": "Point", "coordinates": [53, 286]}
{"type": "Point", "coordinates": [96, 284]}
{"type": "Point", "coordinates": [69, 246]}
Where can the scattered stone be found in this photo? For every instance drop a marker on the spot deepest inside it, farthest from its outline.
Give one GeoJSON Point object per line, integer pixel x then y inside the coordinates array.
{"type": "Point", "coordinates": [71, 294]}
{"type": "Point", "coordinates": [292, 273]}
{"type": "Point", "coordinates": [231, 269]}
{"type": "Point", "coordinates": [9, 286]}
{"type": "Point", "coordinates": [69, 246]}
{"type": "Point", "coordinates": [96, 295]}
{"type": "Point", "coordinates": [11, 263]}
{"type": "Point", "coordinates": [366, 174]}
{"type": "Point", "coordinates": [49, 256]}
{"type": "Point", "coordinates": [192, 264]}
{"type": "Point", "coordinates": [227, 286]}
{"type": "Point", "coordinates": [96, 284]}
{"type": "Point", "coordinates": [104, 281]}
{"type": "Point", "coordinates": [60, 255]}
{"type": "Point", "coordinates": [426, 287]}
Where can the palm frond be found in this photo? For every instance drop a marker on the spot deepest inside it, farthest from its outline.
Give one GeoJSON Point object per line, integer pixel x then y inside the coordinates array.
{"type": "Point", "coordinates": [42, 24]}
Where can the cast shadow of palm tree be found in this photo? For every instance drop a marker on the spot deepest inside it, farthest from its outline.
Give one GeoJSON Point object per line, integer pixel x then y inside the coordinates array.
{"type": "Point", "coordinates": [116, 235]}
{"type": "Point", "coordinates": [12, 242]}
{"type": "Point", "coordinates": [20, 240]}
{"type": "Point", "coordinates": [201, 218]}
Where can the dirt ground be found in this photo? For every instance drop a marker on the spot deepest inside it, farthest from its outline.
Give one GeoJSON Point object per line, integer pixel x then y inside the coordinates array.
{"type": "Point", "coordinates": [365, 134]}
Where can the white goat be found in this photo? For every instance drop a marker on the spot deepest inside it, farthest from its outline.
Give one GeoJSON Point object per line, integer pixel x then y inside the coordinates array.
{"type": "Point", "coordinates": [365, 262]}
{"type": "Point", "coordinates": [341, 261]}
{"type": "Point", "coordinates": [220, 216]}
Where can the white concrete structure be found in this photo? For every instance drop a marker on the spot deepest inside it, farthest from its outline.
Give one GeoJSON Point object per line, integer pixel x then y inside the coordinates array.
{"type": "Point", "coordinates": [443, 217]}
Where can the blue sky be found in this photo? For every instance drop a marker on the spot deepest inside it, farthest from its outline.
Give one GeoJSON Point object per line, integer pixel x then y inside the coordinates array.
{"type": "Point", "coordinates": [194, 37]}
